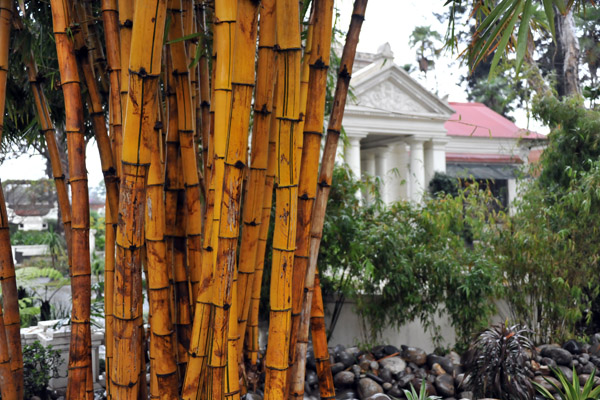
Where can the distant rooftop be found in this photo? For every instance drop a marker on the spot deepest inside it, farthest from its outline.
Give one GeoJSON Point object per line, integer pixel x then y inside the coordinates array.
{"type": "Point", "coordinates": [478, 120]}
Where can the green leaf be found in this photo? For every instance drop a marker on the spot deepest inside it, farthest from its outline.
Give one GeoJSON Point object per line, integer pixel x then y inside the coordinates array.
{"type": "Point", "coordinates": [504, 40]}
{"type": "Point", "coordinates": [186, 37]}
{"type": "Point", "coordinates": [549, 10]}
{"type": "Point", "coordinates": [523, 36]}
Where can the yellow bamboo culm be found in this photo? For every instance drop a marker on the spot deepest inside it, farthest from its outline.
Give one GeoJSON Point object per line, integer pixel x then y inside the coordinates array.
{"type": "Point", "coordinates": [125, 14]}
{"type": "Point", "coordinates": [203, 97]}
{"type": "Point", "coordinates": [110, 18]}
{"type": "Point", "coordinates": [252, 331]}
{"type": "Point", "coordinates": [319, 336]}
{"type": "Point", "coordinates": [186, 128]}
{"type": "Point", "coordinates": [163, 365]}
{"type": "Point", "coordinates": [255, 188]}
{"type": "Point", "coordinates": [144, 67]}
{"type": "Point", "coordinates": [309, 170]}
{"type": "Point", "coordinates": [320, 204]}
{"type": "Point", "coordinates": [284, 236]}
{"type": "Point", "coordinates": [79, 351]}
{"type": "Point", "coordinates": [7, 380]}
{"type": "Point", "coordinates": [12, 322]}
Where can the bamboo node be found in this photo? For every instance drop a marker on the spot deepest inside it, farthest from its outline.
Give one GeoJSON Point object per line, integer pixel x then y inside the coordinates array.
{"type": "Point", "coordinates": [127, 23]}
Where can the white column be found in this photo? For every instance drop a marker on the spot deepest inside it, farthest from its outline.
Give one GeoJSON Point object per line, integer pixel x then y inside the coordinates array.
{"type": "Point", "coordinates": [368, 163]}
{"type": "Point", "coordinates": [435, 158]}
{"type": "Point", "coordinates": [368, 169]}
{"type": "Point", "coordinates": [512, 195]}
{"type": "Point", "coordinates": [417, 170]}
{"type": "Point", "coordinates": [381, 169]}
{"type": "Point", "coordinates": [398, 178]}
{"type": "Point", "coordinates": [352, 155]}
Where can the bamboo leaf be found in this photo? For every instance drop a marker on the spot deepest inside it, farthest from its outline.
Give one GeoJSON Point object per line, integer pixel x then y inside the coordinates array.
{"type": "Point", "coordinates": [523, 35]}
{"type": "Point", "coordinates": [186, 37]}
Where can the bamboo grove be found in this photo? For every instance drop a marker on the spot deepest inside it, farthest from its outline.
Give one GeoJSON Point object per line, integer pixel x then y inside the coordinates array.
{"type": "Point", "coordinates": [208, 115]}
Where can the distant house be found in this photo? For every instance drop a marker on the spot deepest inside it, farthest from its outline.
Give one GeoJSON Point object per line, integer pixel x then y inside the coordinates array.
{"type": "Point", "coordinates": [30, 204]}
{"type": "Point", "coordinates": [400, 132]}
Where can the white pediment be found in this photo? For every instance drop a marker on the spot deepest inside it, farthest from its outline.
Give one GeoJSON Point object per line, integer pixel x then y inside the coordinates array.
{"type": "Point", "coordinates": [388, 96]}
{"type": "Point", "coordinates": [385, 86]}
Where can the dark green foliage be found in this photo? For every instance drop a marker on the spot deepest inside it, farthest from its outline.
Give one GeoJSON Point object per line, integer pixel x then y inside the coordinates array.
{"type": "Point", "coordinates": [40, 364]}
{"type": "Point", "coordinates": [574, 142]}
{"type": "Point", "coordinates": [405, 262]}
{"type": "Point", "coordinates": [27, 237]}
{"type": "Point", "coordinates": [443, 184]}
{"type": "Point", "coordinates": [495, 364]}
{"type": "Point", "coordinates": [570, 390]}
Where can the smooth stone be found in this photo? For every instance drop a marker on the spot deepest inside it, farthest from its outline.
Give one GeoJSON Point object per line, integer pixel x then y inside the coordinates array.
{"type": "Point", "coordinates": [311, 377]}
{"type": "Point", "coordinates": [587, 368]}
{"type": "Point", "coordinates": [379, 396]}
{"type": "Point", "coordinates": [389, 350]}
{"type": "Point", "coordinates": [454, 357]}
{"type": "Point", "coordinates": [466, 395]}
{"type": "Point", "coordinates": [545, 384]}
{"type": "Point", "coordinates": [461, 381]}
{"type": "Point", "coordinates": [374, 377]}
{"type": "Point", "coordinates": [337, 367]}
{"type": "Point", "coordinates": [356, 370]}
{"type": "Point", "coordinates": [405, 381]}
{"type": "Point", "coordinates": [378, 352]}
{"type": "Point", "coordinates": [346, 395]}
{"type": "Point", "coordinates": [394, 364]}
{"type": "Point", "coordinates": [437, 369]}
{"type": "Point", "coordinates": [572, 347]}
{"type": "Point", "coordinates": [368, 387]}
{"type": "Point", "coordinates": [567, 371]}
{"type": "Point", "coordinates": [346, 359]}
{"type": "Point", "coordinates": [584, 358]}
{"type": "Point", "coordinates": [374, 366]}
{"type": "Point", "coordinates": [386, 386]}
{"type": "Point", "coordinates": [364, 364]}
{"type": "Point", "coordinates": [549, 362]}
{"type": "Point", "coordinates": [339, 348]}
{"type": "Point", "coordinates": [386, 375]}
{"type": "Point", "coordinates": [560, 355]}
{"type": "Point", "coordinates": [396, 391]}
{"type": "Point", "coordinates": [583, 378]}
{"type": "Point", "coordinates": [252, 396]}
{"type": "Point", "coordinates": [444, 385]}
{"type": "Point", "coordinates": [415, 355]}
{"type": "Point", "coordinates": [344, 379]}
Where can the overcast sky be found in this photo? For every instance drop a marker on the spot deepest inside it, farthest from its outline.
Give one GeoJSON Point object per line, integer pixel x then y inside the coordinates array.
{"type": "Point", "coordinates": [389, 21]}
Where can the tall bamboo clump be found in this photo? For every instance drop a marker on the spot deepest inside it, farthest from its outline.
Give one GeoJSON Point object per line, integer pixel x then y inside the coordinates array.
{"type": "Point", "coordinates": [11, 319]}
{"type": "Point", "coordinates": [284, 236]}
{"type": "Point", "coordinates": [144, 67]}
{"type": "Point", "coordinates": [79, 352]}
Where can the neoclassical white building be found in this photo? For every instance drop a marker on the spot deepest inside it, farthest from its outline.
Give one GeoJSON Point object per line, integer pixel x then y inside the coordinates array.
{"type": "Point", "coordinates": [400, 132]}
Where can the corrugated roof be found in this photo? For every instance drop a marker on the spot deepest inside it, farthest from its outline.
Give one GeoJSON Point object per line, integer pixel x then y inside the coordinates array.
{"type": "Point", "coordinates": [478, 120]}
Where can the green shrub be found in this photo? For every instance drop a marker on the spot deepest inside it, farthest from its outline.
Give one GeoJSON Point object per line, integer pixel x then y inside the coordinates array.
{"type": "Point", "coordinates": [40, 364]}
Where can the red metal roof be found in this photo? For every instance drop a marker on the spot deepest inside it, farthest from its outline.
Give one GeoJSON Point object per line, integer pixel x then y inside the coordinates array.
{"type": "Point", "coordinates": [476, 119]}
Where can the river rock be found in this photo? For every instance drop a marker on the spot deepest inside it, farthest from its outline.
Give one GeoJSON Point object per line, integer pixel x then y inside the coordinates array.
{"type": "Point", "coordinates": [389, 350]}
{"type": "Point", "coordinates": [337, 367]}
{"type": "Point", "coordinates": [415, 355]}
{"type": "Point", "coordinates": [395, 365]}
{"type": "Point", "coordinates": [345, 358]}
{"type": "Point", "coordinates": [437, 369]}
{"type": "Point", "coordinates": [379, 396]}
{"type": "Point", "coordinates": [560, 355]}
{"type": "Point", "coordinates": [344, 379]}
{"type": "Point", "coordinates": [583, 378]}
{"type": "Point", "coordinates": [347, 394]}
{"type": "Point", "coordinates": [444, 385]}
{"type": "Point", "coordinates": [386, 375]}
{"type": "Point", "coordinates": [311, 377]}
{"type": "Point", "coordinates": [545, 384]}
{"type": "Point", "coordinates": [572, 347]}
{"type": "Point", "coordinates": [404, 382]}
{"type": "Point", "coordinates": [567, 371]}
{"type": "Point", "coordinates": [549, 362]}
{"type": "Point", "coordinates": [368, 387]}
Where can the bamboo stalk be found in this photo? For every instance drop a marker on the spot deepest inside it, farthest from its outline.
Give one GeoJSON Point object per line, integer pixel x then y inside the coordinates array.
{"type": "Point", "coordinates": [11, 321]}
{"type": "Point", "coordinates": [126, 11]}
{"type": "Point", "coordinates": [204, 86]}
{"type": "Point", "coordinates": [144, 67]}
{"type": "Point", "coordinates": [97, 57]}
{"type": "Point", "coordinates": [186, 128]}
{"type": "Point", "coordinates": [325, 178]}
{"type": "Point", "coordinates": [255, 189]}
{"type": "Point", "coordinates": [322, 16]}
{"type": "Point", "coordinates": [47, 128]}
{"type": "Point", "coordinates": [110, 17]}
{"type": "Point", "coordinates": [319, 337]}
{"type": "Point", "coordinates": [7, 379]}
{"type": "Point", "coordinates": [163, 364]}
{"type": "Point", "coordinates": [284, 236]}
{"type": "Point", "coordinates": [94, 103]}
{"type": "Point", "coordinates": [79, 352]}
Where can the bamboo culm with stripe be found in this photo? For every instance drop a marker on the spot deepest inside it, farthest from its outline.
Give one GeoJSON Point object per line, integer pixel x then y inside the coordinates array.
{"type": "Point", "coordinates": [175, 89]}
